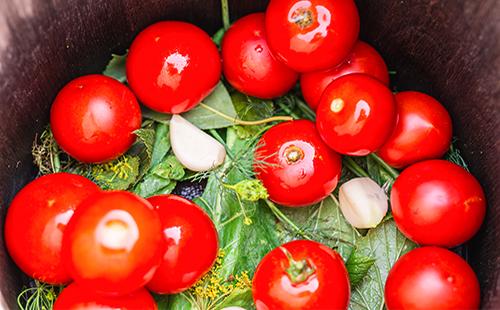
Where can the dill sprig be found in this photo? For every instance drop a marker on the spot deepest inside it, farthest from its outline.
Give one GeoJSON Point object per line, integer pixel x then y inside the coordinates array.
{"type": "Point", "coordinates": [41, 296]}
{"type": "Point", "coordinates": [47, 156]}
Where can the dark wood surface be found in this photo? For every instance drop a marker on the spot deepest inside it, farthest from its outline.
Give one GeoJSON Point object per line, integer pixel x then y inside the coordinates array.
{"type": "Point", "coordinates": [448, 48]}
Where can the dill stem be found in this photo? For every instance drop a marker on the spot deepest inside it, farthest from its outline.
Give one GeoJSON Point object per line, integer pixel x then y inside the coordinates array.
{"type": "Point", "coordinates": [277, 212]}
{"type": "Point", "coordinates": [225, 14]}
{"type": "Point", "coordinates": [287, 110]}
{"type": "Point", "coordinates": [392, 172]}
{"type": "Point", "coordinates": [309, 113]}
{"type": "Point", "coordinates": [354, 167]}
{"type": "Point", "coordinates": [246, 123]}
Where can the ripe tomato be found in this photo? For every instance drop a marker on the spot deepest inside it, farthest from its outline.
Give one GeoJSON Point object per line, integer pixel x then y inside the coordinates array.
{"type": "Point", "coordinates": [191, 240]}
{"type": "Point", "coordinates": [172, 66]}
{"type": "Point", "coordinates": [362, 59]}
{"type": "Point", "coordinates": [76, 297]}
{"type": "Point", "coordinates": [436, 202]}
{"type": "Point", "coordinates": [248, 63]}
{"type": "Point", "coordinates": [356, 114]}
{"type": "Point", "coordinates": [311, 35]}
{"type": "Point", "coordinates": [423, 131]}
{"type": "Point", "coordinates": [113, 243]}
{"type": "Point", "coordinates": [431, 278]}
{"type": "Point", "coordinates": [36, 220]}
{"type": "Point", "coordinates": [301, 275]}
{"type": "Point", "coordinates": [93, 118]}
{"type": "Point", "coordinates": [295, 165]}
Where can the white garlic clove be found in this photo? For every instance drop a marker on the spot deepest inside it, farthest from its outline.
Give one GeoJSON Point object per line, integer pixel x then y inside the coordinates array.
{"type": "Point", "coordinates": [363, 202]}
{"type": "Point", "coordinates": [194, 148]}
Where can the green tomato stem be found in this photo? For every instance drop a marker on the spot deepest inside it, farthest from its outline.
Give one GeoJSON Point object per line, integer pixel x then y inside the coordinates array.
{"type": "Point", "coordinates": [392, 172]}
{"type": "Point", "coordinates": [225, 14]}
{"type": "Point", "coordinates": [246, 123]}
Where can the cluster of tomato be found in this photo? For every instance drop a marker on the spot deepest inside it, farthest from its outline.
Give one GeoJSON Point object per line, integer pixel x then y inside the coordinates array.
{"type": "Point", "coordinates": [62, 227]}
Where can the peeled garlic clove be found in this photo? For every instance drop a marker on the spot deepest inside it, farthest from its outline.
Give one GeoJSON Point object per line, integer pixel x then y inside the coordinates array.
{"type": "Point", "coordinates": [363, 202]}
{"type": "Point", "coordinates": [194, 148]}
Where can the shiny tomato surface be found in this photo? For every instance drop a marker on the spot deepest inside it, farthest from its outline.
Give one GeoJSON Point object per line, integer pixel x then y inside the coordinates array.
{"type": "Point", "coordinates": [356, 115]}
{"type": "Point", "coordinates": [311, 35]}
{"type": "Point", "coordinates": [423, 130]}
{"type": "Point", "coordinates": [436, 202]}
{"type": "Point", "coordinates": [249, 66]}
{"type": "Point", "coordinates": [295, 165]}
{"type": "Point", "coordinates": [431, 278]}
{"type": "Point", "coordinates": [114, 243]}
{"type": "Point", "coordinates": [37, 219]}
{"type": "Point", "coordinates": [94, 117]}
{"type": "Point", "coordinates": [172, 66]}
{"type": "Point", "coordinates": [192, 244]}
{"type": "Point", "coordinates": [362, 59]}
{"type": "Point", "coordinates": [76, 297]}
{"type": "Point", "coordinates": [301, 275]}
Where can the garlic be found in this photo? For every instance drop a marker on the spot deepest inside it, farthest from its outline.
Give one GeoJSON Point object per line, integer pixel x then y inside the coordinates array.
{"type": "Point", "coordinates": [194, 148]}
{"type": "Point", "coordinates": [363, 202]}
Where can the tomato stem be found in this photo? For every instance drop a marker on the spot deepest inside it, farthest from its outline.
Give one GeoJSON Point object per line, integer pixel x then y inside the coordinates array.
{"type": "Point", "coordinates": [298, 271]}
{"type": "Point", "coordinates": [225, 14]}
{"type": "Point", "coordinates": [246, 123]}
{"type": "Point", "coordinates": [392, 172]}
{"type": "Point", "coordinates": [350, 164]}
{"type": "Point", "coordinates": [280, 215]}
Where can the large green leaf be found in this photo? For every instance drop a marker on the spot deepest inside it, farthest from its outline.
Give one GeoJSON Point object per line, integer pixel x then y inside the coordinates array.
{"type": "Point", "coordinates": [116, 68]}
{"type": "Point", "coordinates": [386, 245]}
{"type": "Point", "coordinates": [322, 222]}
{"type": "Point", "coordinates": [202, 117]}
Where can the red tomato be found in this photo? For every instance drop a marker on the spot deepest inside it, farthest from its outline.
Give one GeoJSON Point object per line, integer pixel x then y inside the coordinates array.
{"type": "Point", "coordinates": [93, 118]}
{"type": "Point", "coordinates": [311, 35]}
{"type": "Point", "coordinates": [192, 244]}
{"type": "Point", "coordinates": [172, 66]}
{"type": "Point", "coordinates": [423, 131]}
{"type": "Point", "coordinates": [356, 115]}
{"type": "Point", "coordinates": [36, 220]}
{"type": "Point", "coordinates": [248, 63]}
{"type": "Point", "coordinates": [436, 202]}
{"type": "Point", "coordinates": [295, 165]}
{"type": "Point", "coordinates": [301, 275]}
{"type": "Point", "coordinates": [431, 278]}
{"type": "Point", "coordinates": [113, 244]}
{"type": "Point", "coordinates": [362, 59]}
{"type": "Point", "coordinates": [76, 297]}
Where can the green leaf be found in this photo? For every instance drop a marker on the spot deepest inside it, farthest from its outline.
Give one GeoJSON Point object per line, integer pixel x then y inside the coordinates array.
{"type": "Point", "coordinates": [251, 109]}
{"type": "Point", "coordinates": [116, 68]}
{"type": "Point", "coordinates": [154, 185]}
{"type": "Point", "coordinates": [203, 118]}
{"type": "Point", "coordinates": [170, 168]}
{"type": "Point", "coordinates": [161, 144]}
{"type": "Point", "coordinates": [238, 298]}
{"type": "Point", "coordinates": [386, 245]}
{"type": "Point", "coordinates": [323, 222]}
{"type": "Point", "coordinates": [147, 137]}
{"type": "Point", "coordinates": [357, 266]}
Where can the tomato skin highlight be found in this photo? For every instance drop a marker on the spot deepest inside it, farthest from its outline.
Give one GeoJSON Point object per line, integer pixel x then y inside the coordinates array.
{"type": "Point", "coordinates": [172, 66]}
{"type": "Point", "coordinates": [327, 287]}
{"type": "Point", "coordinates": [311, 35]}
{"type": "Point", "coordinates": [362, 59]}
{"type": "Point", "coordinates": [93, 118]}
{"type": "Point", "coordinates": [113, 244]}
{"type": "Point", "coordinates": [299, 168]}
{"type": "Point", "coordinates": [431, 278]}
{"type": "Point", "coordinates": [249, 66]}
{"type": "Point", "coordinates": [423, 131]}
{"type": "Point", "coordinates": [436, 202]}
{"type": "Point", "coordinates": [37, 219]}
{"type": "Point", "coordinates": [76, 297]}
{"type": "Point", "coordinates": [356, 115]}
{"type": "Point", "coordinates": [192, 244]}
